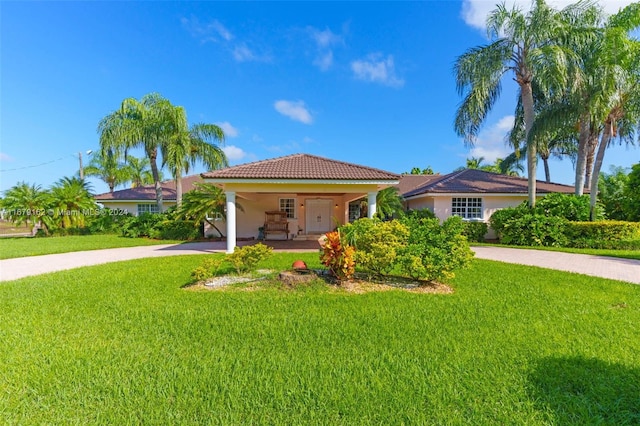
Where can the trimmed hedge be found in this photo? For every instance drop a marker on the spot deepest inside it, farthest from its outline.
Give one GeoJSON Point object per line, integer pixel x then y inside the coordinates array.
{"type": "Point", "coordinates": [475, 231]}
{"type": "Point", "coordinates": [604, 235]}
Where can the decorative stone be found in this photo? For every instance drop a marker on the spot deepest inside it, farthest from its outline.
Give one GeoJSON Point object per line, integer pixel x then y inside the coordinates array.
{"type": "Point", "coordinates": [292, 278]}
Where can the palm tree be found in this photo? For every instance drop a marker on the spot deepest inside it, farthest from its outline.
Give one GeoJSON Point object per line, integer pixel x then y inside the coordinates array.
{"type": "Point", "coordinates": [27, 204]}
{"type": "Point", "coordinates": [140, 171]}
{"type": "Point", "coordinates": [108, 168]}
{"type": "Point", "coordinates": [204, 203]}
{"type": "Point", "coordinates": [389, 203]}
{"type": "Point", "coordinates": [148, 123]}
{"type": "Point", "coordinates": [188, 145]}
{"type": "Point", "coordinates": [71, 200]}
{"type": "Point", "coordinates": [537, 47]}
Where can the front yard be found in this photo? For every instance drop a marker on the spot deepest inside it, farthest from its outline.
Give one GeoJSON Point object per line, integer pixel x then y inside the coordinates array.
{"type": "Point", "coordinates": [123, 343]}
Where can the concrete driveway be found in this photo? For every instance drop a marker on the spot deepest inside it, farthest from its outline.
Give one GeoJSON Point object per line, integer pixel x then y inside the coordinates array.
{"type": "Point", "coordinates": [599, 266]}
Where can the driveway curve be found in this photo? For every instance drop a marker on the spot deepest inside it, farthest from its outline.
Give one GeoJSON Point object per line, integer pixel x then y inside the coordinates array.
{"type": "Point", "coordinates": [599, 266]}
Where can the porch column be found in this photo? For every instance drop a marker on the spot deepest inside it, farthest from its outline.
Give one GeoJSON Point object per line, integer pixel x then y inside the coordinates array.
{"type": "Point", "coordinates": [371, 210]}
{"type": "Point", "coordinates": [231, 221]}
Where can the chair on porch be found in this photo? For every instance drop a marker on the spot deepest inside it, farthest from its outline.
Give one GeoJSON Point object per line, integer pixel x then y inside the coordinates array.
{"type": "Point", "coordinates": [275, 222]}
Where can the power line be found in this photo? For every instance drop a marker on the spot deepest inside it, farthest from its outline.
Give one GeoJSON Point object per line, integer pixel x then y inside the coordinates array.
{"type": "Point", "coordinates": [35, 165]}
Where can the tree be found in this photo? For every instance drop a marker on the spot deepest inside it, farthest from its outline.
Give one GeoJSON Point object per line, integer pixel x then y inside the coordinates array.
{"type": "Point", "coordinates": [148, 124]}
{"type": "Point", "coordinates": [27, 204]}
{"type": "Point", "coordinates": [107, 167]}
{"type": "Point", "coordinates": [140, 171]}
{"type": "Point", "coordinates": [536, 47]}
{"type": "Point", "coordinates": [632, 195]}
{"type": "Point", "coordinates": [71, 199]}
{"type": "Point", "coordinates": [203, 204]}
{"type": "Point", "coordinates": [188, 145]}
{"type": "Point", "coordinates": [418, 171]}
{"type": "Point", "coordinates": [611, 194]}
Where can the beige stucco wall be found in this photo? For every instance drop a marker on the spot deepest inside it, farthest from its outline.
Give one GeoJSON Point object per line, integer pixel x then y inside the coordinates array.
{"type": "Point", "coordinates": [132, 206]}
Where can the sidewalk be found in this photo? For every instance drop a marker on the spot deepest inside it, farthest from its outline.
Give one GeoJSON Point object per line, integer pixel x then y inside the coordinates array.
{"type": "Point", "coordinates": [599, 266]}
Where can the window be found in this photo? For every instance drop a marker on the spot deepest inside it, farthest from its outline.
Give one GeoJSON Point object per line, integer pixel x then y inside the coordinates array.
{"type": "Point", "coordinates": [147, 208]}
{"type": "Point", "coordinates": [467, 208]}
{"type": "Point", "coordinates": [288, 205]}
{"type": "Point", "coordinates": [355, 211]}
{"type": "Point", "coordinates": [215, 216]}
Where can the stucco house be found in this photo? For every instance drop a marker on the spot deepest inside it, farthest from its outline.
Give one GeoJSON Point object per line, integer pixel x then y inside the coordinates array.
{"type": "Point", "coordinates": [303, 196]}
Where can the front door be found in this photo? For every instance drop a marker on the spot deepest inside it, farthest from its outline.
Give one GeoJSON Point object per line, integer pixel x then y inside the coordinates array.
{"type": "Point", "coordinates": [318, 216]}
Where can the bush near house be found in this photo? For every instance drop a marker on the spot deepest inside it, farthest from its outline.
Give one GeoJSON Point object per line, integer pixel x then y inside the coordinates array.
{"type": "Point", "coordinates": [413, 246]}
{"type": "Point", "coordinates": [475, 231]}
{"type": "Point", "coordinates": [560, 220]}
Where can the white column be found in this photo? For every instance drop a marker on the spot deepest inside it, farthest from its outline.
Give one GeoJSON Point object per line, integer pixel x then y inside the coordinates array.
{"type": "Point", "coordinates": [372, 204]}
{"type": "Point", "coordinates": [231, 221]}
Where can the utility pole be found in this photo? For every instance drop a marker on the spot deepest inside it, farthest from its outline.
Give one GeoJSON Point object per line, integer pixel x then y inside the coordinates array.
{"type": "Point", "coordinates": [80, 162]}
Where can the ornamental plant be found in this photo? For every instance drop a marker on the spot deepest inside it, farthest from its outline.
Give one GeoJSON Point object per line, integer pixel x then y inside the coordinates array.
{"type": "Point", "coordinates": [246, 258]}
{"type": "Point", "coordinates": [337, 256]}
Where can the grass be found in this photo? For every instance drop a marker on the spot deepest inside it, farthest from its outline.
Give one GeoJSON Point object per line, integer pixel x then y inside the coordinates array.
{"type": "Point", "coordinates": [626, 254]}
{"type": "Point", "coordinates": [21, 247]}
{"type": "Point", "coordinates": [123, 343]}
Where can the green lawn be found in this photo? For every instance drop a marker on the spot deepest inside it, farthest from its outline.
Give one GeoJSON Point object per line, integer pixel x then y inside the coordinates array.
{"type": "Point", "coordinates": [626, 254]}
{"type": "Point", "coordinates": [21, 247]}
{"type": "Point", "coordinates": [123, 343]}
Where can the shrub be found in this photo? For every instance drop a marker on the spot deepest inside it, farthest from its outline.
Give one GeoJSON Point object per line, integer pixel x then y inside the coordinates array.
{"type": "Point", "coordinates": [141, 226]}
{"type": "Point", "coordinates": [208, 269]}
{"type": "Point", "coordinates": [434, 251]}
{"type": "Point", "coordinates": [568, 206]}
{"type": "Point", "coordinates": [246, 258]}
{"type": "Point", "coordinates": [376, 243]}
{"type": "Point", "coordinates": [175, 229]}
{"type": "Point", "coordinates": [603, 234]}
{"type": "Point", "coordinates": [475, 231]}
{"type": "Point", "coordinates": [108, 221]}
{"type": "Point", "coordinates": [338, 256]}
{"type": "Point", "coordinates": [421, 214]}
{"type": "Point", "coordinates": [535, 230]}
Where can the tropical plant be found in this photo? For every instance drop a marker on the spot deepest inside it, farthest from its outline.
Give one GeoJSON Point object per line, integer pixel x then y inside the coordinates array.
{"type": "Point", "coordinates": [389, 203]}
{"type": "Point", "coordinates": [539, 47]}
{"type": "Point", "coordinates": [418, 171]}
{"type": "Point", "coordinates": [108, 167]}
{"type": "Point", "coordinates": [338, 256]}
{"type": "Point", "coordinates": [141, 171]}
{"type": "Point", "coordinates": [632, 194]}
{"type": "Point", "coordinates": [72, 201]}
{"type": "Point", "coordinates": [148, 124]}
{"type": "Point", "coordinates": [26, 204]}
{"type": "Point", "coordinates": [189, 145]}
{"type": "Point", "coordinates": [203, 204]}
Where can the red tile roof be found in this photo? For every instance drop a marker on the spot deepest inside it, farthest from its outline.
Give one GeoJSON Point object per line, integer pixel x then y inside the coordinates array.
{"type": "Point", "coordinates": [148, 192]}
{"type": "Point", "coordinates": [301, 166]}
{"type": "Point", "coordinates": [474, 181]}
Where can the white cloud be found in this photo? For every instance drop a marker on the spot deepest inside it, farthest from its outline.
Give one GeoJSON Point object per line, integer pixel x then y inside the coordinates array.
{"type": "Point", "coordinates": [474, 12]}
{"type": "Point", "coordinates": [295, 110]}
{"type": "Point", "coordinates": [375, 68]}
{"type": "Point", "coordinates": [206, 32]}
{"type": "Point", "coordinates": [490, 142]}
{"type": "Point", "coordinates": [5, 157]}
{"type": "Point", "coordinates": [256, 138]}
{"type": "Point", "coordinates": [221, 30]}
{"type": "Point", "coordinates": [234, 153]}
{"type": "Point", "coordinates": [228, 129]}
{"type": "Point", "coordinates": [324, 41]}
{"type": "Point", "coordinates": [242, 53]}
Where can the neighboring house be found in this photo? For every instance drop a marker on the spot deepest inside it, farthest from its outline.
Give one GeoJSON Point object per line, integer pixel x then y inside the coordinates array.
{"type": "Point", "coordinates": [142, 199]}
{"type": "Point", "coordinates": [313, 191]}
{"type": "Point", "coordinates": [470, 193]}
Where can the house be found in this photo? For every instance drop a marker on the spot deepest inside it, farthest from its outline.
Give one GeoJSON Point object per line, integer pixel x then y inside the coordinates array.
{"type": "Point", "coordinates": [142, 199]}
{"type": "Point", "coordinates": [303, 196]}
{"type": "Point", "coordinates": [313, 193]}
{"type": "Point", "coordinates": [472, 194]}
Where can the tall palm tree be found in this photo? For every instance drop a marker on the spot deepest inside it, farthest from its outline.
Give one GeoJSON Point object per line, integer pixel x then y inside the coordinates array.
{"type": "Point", "coordinates": [537, 47]}
{"type": "Point", "coordinates": [141, 171]}
{"type": "Point", "coordinates": [189, 145]}
{"type": "Point", "coordinates": [108, 167]}
{"type": "Point", "coordinates": [147, 123]}
{"type": "Point", "coordinates": [27, 204]}
{"type": "Point", "coordinates": [71, 199]}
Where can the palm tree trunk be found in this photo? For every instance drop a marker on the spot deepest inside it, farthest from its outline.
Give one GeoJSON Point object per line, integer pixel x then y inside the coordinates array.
{"type": "Point", "coordinates": [591, 152]}
{"type": "Point", "coordinates": [581, 162]}
{"type": "Point", "coordinates": [153, 155]}
{"type": "Point", "coordinates": [532, 154]}
{"type": "Point", "coordinates": [178, 190]}
{"type": "Point", "coordinates": [604, 142]}
{"type": "Point", "coordinates": [547, 172]}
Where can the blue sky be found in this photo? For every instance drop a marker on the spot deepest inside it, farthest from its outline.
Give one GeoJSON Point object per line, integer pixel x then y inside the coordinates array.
{"type": "Point", "coordinates": [369, 83]}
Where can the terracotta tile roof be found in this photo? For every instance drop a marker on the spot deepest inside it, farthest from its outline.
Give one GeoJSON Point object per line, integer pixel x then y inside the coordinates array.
{"type": "Point", "coordinates": [148, 192]}
{"type": "Point", "coordinates": [476, 181]}
{"type": "Point", "coordinates": [301, 166]}
{"type": "Point", "coordinates": [410, 182]}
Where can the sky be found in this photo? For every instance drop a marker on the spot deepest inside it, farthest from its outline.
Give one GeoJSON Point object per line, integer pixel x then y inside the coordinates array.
{"type": "Point", "coordinates": [365, 82]}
